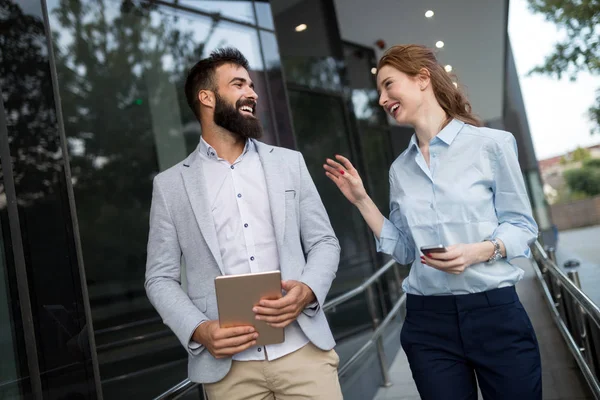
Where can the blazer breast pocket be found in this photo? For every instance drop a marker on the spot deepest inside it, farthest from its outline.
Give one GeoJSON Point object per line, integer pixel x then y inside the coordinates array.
{"type": "Point", "coordinates": [290, 194]}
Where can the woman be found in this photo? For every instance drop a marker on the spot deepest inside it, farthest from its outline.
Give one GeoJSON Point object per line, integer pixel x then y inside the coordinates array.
{"type": "Point", "coordinates": [458, 185]}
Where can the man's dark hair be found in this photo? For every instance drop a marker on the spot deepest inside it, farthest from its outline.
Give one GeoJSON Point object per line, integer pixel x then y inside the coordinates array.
{"type": "Point", "coordinates": [202, 75]}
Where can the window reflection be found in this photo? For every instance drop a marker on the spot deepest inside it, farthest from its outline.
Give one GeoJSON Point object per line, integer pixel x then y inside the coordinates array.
{"type": "Point", "coordinates": [318, 138]}
{"type": "Point", "coordinates": [308, 56]}
{"type": "Point", "coordinates": [237, 10]}
{"type": "Point", "coordinates": [11, 378]}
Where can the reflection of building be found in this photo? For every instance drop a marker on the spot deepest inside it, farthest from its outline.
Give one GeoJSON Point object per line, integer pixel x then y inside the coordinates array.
{"type": "Point", "coordinates": [106, 88]}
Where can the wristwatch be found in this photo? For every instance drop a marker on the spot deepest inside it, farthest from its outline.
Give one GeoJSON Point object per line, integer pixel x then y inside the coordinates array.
{"type": "Point", "coordinates": [497, 254]}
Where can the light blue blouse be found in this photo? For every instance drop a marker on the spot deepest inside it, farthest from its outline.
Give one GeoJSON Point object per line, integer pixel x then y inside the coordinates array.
{"type": "Point", "coordinates": [472, 190]}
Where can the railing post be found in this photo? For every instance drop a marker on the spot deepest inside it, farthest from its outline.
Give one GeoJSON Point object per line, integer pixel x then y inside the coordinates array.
{"type": "Point", "coordinates": [584, 332]}
{"type": "Point", "coordinates": [551, 251]}
{"type": "Point", "coordinates": [380, 352]}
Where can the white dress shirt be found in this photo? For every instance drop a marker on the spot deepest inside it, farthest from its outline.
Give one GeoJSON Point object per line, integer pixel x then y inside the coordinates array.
{"type": "Point", "coordinates": [242, 215]}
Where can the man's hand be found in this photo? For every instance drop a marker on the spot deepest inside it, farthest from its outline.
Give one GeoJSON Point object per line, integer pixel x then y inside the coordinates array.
{"type": "Point", "coordinates": [282, 312]}
{"type": "Point", "coordinates": [224, 342]}
{"type": "Point", "coordinates": [459, 257]}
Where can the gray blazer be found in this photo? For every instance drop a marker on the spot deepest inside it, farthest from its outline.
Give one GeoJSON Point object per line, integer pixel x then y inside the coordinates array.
{"type": "Point", "coordinates": [182, 231]}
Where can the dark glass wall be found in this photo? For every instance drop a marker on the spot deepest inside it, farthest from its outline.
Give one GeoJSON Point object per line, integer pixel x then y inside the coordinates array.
{"type": "Point", "coordinates": [61, 359]}
{"type": "Point", "coordinates": [326, 88]}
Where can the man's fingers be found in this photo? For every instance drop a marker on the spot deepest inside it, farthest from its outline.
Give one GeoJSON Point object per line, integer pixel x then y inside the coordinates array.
{"type": "Point", "coordinates": [273, 311]}
{"type": "Point", "coordinates": [235, 341]}
{"type": "Point", "coordinates": [230, 351]}
{"type": "Point", "coordinates": [224, 333]}
{"type": "Point", "coordinates": [276, 318]}
{"type": "Point", "coordinates": [282, 324]}
{"type": "Point", "coordinates": [279, 303]}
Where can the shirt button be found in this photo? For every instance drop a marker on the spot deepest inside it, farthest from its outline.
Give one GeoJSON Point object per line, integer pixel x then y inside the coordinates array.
{"type": "Point", "coordinates": [259, 349]}
{"type": "Point", "coordinates": [245, 225]}
{"type": "Point", "coordinates": [232, 167]}
{"type": "Point", "coordinates": [239, 195]}
{"type": "Point", "coordinates": [252, 258]}
{"type": "Point", "coordinates": [431, 206]}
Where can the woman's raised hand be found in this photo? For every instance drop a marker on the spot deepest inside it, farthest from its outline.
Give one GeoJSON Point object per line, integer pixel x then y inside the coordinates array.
{"type": "Point", "coordinates": [345, 176]}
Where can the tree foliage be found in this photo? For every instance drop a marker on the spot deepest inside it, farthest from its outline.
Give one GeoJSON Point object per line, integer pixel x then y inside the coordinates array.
{"type": "Point", "coordinates": [579, 50]}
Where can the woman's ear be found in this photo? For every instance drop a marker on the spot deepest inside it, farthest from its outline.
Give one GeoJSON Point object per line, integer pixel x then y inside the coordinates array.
{"type": "Point", "coordinates": [424, 78]}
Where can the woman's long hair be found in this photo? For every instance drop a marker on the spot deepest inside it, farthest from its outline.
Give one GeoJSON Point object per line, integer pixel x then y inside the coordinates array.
{"type": "Point", "coordinates": [410, 59]}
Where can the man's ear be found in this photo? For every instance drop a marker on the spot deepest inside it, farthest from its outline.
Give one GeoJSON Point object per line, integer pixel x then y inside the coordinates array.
{"type": "Point", "coordinates": [206, 98]}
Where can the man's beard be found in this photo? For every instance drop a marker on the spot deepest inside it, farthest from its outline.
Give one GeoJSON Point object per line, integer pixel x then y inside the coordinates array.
{"type": "Point", "coordinates": [230, 118]}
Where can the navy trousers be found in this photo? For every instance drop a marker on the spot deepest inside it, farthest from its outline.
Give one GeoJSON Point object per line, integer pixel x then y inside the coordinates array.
{"type": "Point", "coordinates": [454, 342]}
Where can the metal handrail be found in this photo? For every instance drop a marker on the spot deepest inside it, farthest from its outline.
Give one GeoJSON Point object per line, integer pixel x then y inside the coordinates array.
{"type": "Point", "coordinates": [186, 385]}
{"type": "Point", "coordinates": [359, 289]}
{"type": "Point", "coordinates": [590, 307]}
{"type": "Point", "coordinates": [586, 309]}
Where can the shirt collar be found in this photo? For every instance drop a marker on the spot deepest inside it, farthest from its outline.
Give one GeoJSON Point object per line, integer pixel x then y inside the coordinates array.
{"type": "Point", "coordinates": [446, 135]}
{"type": "Point", "coordinates": [209, 151]}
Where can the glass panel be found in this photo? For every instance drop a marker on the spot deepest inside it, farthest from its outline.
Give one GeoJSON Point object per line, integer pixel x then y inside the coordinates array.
{"type": "Point", "coordinates": [126, 119]}
{"type": "Point", "coordinates": [264, 15]}
{"type": "Point", "coordinates": [319, 138]}
{"type": "Point", "coordinates": [281, 108]}
{"type": "Point", "coordinates": [306, 54]}
{"type": "Point", "coordinates": [44, 212]}
{"type": "Point", "coordinates": [238, 10]}
{"type": "Point", "coordinates": [375, 149]}
{"type": "Point", "coordinates": [360, 65]}
{"type": "Point", "coordinates": [13, 373]}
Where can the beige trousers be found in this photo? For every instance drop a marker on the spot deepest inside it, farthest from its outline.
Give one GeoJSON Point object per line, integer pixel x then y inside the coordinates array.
{"type": "Point", "coordinates": [308, 373]}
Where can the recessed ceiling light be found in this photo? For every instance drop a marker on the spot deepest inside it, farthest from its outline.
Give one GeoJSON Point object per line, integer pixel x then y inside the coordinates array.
{"type": "Point", "coordinates": [439, 44]}
{"type": "Point", "coordinates": [374, 71]}
{"type": "Point", "coordinates": [301, 27]}
{"type": "Point", "coordinates": [428, 14]}
{"type": "Point", "coordinates": [448, 68]}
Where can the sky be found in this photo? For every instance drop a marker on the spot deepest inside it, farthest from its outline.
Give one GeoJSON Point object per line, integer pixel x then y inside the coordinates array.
{"type": "Point", "coordinates": [556, 109]}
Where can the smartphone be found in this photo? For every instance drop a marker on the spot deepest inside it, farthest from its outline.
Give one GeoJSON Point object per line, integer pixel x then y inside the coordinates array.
{"type": "Point", "coordinates": [436, 248]}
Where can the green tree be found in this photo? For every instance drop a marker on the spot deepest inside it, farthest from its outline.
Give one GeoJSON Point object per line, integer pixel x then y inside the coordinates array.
{"type": "Point", "coordinates": [585, 180]}
{"type": "Point", "coordinates": [579, 51]}
{"type": "Point", "coordinates": [580, 154]}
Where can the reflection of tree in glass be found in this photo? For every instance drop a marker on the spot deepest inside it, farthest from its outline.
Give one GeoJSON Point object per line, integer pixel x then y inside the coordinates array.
{"type": "Point", "coordinates": [314, 72]}
{"type": "Point", "coordinates": [29, 106]}
{"type": "Point", "coordinates": [320, 131]}
{"type": "Point", "coordinates": [112, 64]}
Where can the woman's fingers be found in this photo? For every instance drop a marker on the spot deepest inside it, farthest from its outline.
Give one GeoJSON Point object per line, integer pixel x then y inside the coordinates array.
{"type": "Point", "coordinates": [333, 171]}
{"type": "Point", "coordinates": [347, 164]}
{"type": "Point", "coordinates": [335, 164]}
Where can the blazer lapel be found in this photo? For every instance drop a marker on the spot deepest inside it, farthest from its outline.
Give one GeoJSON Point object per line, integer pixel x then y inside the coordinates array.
{"type": "Point", "coordinates": [195, 187]}
{"type": "Point", "coordinates": [275, 187]}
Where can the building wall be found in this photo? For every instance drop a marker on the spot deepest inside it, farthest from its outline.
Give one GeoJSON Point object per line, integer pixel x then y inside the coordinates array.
{"type": "Point", "coordinates": [576, 214]}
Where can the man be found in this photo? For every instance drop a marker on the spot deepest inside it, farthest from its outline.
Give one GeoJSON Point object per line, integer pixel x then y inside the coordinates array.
{"type": "Point", "coordinates": [236, 205]}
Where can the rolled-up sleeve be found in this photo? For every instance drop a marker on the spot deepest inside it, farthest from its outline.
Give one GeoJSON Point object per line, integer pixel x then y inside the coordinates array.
{"type": "Point", "coordinates": [395, 238]}
{"type": "Point", "coordinates": [517, 229]}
